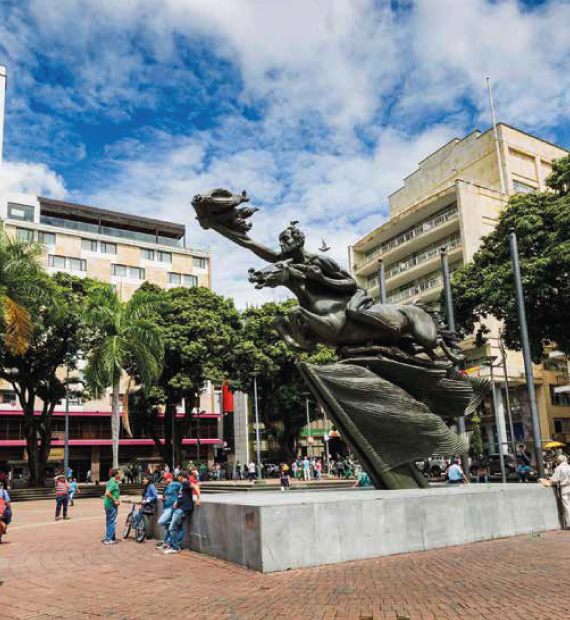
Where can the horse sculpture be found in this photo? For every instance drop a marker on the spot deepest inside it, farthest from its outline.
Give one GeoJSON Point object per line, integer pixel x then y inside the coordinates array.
{"type": "Point", "coordinates": [326, 319]}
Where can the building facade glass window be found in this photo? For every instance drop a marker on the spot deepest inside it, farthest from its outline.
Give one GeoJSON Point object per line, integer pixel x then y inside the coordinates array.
{"type": "Point", "coordinates": [562, 399]}
{"type": "Point", "coordinates": [89, 245]}
{"type": "Point", "coordinates": [23, 213]}
{"type": "Point", "coordinates": [124, 271]}
{"type": "Point", "coordinates": [147, 254]}
{"type": "Point", "coordinates": [164, 257]}
{"type": "Point", "coordinates": [182, 279]}
{"type": "Point", "coordinates": [522, 188]}
{"type": "Point", "coordinates": [67, 262]}
{"type": "Point", "coordinates": [200, 262]}
{"type": "Point", "coordinates": [108, 248]}
{"type": "Point", "coordinates": [24, 234]}
{"type": "Point", "coordinates": [46, 238]}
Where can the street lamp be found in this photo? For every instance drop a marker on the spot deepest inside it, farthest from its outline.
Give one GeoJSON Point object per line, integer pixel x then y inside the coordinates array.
{"type": "Point", "coordinates": [508, 398]}
{"type": "Point", "coordinates": [308, 425]}
{"type": "Point", "coordinates": [257, 441]}
{"type": "Point", "coordinates": [489, 363]}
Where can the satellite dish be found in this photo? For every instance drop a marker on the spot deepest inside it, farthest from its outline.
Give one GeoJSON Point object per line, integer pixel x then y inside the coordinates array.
{"type": "Point", "coordinates": [324, 247]}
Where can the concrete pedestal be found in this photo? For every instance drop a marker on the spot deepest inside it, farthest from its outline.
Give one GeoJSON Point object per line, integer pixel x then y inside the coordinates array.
{"type": "Point", "coordinates": [277, 531]}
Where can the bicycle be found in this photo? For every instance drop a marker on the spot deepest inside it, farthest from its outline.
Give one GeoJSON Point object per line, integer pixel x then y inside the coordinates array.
{"type": "Point", "coordinates": [138, 521]}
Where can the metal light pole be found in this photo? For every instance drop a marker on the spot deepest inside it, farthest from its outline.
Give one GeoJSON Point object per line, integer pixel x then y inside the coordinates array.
{"type": "Point", "coordinates": [537, 436]}
{"type": "Point", "coordinates": [308, 426]}
{"type": "Point", "coordinates": [508, 398]}
{"type": "Point", "coordinates": [326, 439]}
{"type": "Point", "coordinates": [382, 280]}
{"type": "Point", "coordinates": [451, 328]}
{"type": "Point", "coordinates": [257, 441]}
{"type": "Point", "coordinates": [66, 436]}
{"type": "Point", "coordinates": [497, 420]}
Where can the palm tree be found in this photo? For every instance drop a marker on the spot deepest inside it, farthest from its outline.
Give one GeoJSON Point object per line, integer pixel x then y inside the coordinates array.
{"type": "Point", "coordinates": [125, 335]}
{"type": "Point", "coordinates": [22, 280]}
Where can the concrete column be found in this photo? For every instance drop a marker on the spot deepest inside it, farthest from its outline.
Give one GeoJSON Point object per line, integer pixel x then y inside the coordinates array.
{"type": "Point", "coordinates": [539, 176]}
{"type": "Point", "coordinates": [490, 436]}
{"type": "Point", "coordinates": [502, 430]}
{"type": "Point", "coordinates": [95, 464]}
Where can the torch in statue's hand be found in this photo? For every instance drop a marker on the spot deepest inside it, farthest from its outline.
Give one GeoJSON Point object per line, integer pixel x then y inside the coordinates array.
{"type": "Point", "coordinates": [220, 209]}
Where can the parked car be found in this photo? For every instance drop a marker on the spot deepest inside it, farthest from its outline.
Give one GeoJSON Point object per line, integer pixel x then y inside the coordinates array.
{"type": "Point", "coordinates": [437, 465]}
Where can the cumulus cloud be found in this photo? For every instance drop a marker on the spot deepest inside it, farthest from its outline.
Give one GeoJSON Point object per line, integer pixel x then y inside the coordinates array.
{"type": "Point", "coordinates": [318, 108]}
{"type": "Point", "coordinates": [31, 178]}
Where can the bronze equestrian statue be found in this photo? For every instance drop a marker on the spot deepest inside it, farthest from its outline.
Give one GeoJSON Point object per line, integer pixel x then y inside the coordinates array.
{"type": "Point", "coordinates": [390, 393]}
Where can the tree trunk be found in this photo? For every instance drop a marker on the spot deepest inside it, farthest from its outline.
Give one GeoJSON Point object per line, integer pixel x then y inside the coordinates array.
{"type": "Point", "coordinates": [189, 404]}
{"type": "Point", "coordinates": [115, 423]}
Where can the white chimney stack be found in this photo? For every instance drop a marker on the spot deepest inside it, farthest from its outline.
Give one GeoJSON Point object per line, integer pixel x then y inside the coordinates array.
{"type": "Point", "coordinates": [2, 105]}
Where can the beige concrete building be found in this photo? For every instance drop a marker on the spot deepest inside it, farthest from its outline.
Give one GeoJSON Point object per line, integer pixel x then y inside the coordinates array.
{"type": "Point", "coordinates": [452, 200]}
{"type": "Point", "coordinates": [124, 250]}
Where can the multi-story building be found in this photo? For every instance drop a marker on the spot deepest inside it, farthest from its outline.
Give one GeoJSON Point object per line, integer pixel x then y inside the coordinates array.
{"type": "Point", "coordinates": [452, 200]}
{"type": "Point", "coordinates": [125, 250]}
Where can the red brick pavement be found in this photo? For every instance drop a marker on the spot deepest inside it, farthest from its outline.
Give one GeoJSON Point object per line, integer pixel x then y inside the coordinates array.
{"type": "Point", "coordinates": [61, 570]}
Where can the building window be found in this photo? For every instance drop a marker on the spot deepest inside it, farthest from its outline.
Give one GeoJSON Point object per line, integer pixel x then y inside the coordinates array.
{"type": "Point", "coordinates": [164, 257]}
{"type": "Point", "coordinates": [8, 397]}
{"type": "Point", "coordinates": [147, 254]}
{"type": "Point", "coordinates": [88, 245]}
{"type": "Point", "coordinates": [23, 213]}
{"type": "Point", "coordinates": [199, 262]}
{"type": "Point", "coordinates": [46, 238]}
{"type": "Point", "coordinates": [562, 399]}
{"type": "Point", "coordinates": [108, 248]}
{"type": "Point", "coordinates": [67, 262]}
{"type": "Point", "coordinates": [124, 271]}
{"type": "Point", "coordinates": [522, 188]}
{"type": "Point", "coordinates": [24, 234]}
{"type": "Point", "coordinates": [182, 279]}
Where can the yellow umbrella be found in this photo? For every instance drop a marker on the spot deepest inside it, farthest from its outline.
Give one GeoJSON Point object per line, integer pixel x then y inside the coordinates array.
{"type": "Point", "coordinates": [553, 444]}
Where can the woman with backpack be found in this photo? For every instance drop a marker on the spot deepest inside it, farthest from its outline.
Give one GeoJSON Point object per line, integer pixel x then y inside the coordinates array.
{"type": "Point", "coordinates": [5, 510]}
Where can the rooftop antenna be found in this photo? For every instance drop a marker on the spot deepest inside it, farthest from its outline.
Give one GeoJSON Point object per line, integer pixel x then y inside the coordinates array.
{"type": "Point", "coordinates": [496, 137]}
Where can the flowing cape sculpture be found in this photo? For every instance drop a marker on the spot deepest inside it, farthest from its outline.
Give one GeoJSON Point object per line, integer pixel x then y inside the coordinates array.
{"type": "Point", "coordinates": [390, 395]}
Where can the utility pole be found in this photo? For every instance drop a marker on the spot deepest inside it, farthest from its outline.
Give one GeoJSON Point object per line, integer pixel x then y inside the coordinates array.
{"type": "Point", "coordinates": [496, 138]}
{"type": "Point", "coordinates": [536, 432]}
{"type": "Point", "coordinates": [382, 280]}
{"type": "Point", "coordinates": [451, 328]}
{"type": "Point", "coordinates": [308, 425]}
{"type": "Point", "coordinates": [497, 420]}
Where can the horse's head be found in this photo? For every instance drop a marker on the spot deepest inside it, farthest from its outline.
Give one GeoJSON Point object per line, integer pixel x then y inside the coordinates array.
{"type": "Point", "coordinates": [276, 274]}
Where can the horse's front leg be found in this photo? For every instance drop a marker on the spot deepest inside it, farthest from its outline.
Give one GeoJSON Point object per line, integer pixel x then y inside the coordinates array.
{"type": "Point", "coordinates": [293, 333]}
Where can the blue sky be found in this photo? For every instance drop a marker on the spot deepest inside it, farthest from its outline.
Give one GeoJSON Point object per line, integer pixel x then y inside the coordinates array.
{"type": "Point", "coordinates": [318, 108]}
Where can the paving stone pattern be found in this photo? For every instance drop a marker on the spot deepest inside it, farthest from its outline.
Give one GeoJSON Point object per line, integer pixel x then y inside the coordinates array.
{"type": "Point", "coordinates": [61, 570]}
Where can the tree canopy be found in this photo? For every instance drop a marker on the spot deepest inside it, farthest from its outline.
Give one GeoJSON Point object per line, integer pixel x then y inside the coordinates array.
{"type": "Point", "coordinates": [485, 286]}
{"type": "Point", "coordinates": [281, 389]}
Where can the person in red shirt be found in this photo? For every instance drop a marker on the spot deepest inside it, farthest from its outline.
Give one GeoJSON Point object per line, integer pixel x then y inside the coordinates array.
{"type": "Point", "coordinates": [61, 496]}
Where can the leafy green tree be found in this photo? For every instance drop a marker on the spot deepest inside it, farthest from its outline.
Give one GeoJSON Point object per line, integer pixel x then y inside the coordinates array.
{"type": "Point", "coordinates": [36, 376]}
{"type": "Point", "coordinates": [200, 330]}
{"type": "Point", "coordinates": [21, 283]}
{"type": "Point", "coordinates": [281, 389]}
{"type": "Point", "coordinates": [125, 335]}
{"type": "Point", "coordinates": [485, 286]}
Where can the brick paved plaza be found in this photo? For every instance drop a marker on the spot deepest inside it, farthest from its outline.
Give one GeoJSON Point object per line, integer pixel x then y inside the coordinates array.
{"type": "Point", "coordinates": [61, 570]}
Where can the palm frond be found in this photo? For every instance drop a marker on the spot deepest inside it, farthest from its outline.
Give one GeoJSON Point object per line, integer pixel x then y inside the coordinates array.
{"type": "Point", "coordinates": [18, 326]}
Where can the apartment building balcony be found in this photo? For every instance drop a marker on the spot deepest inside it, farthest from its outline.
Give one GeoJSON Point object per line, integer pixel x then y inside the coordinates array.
{"type": "Point", "coordinates": [409, 242]}
{"type": "Point", "coordinates": [418, 265]}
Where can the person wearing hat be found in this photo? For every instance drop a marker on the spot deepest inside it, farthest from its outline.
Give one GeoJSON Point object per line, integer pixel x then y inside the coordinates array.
{"type": "Point", "coordinates": [561, 479]}
{"type": "Point", "coordinates": [61, 496]}
{"type": "Point", "coordinates": [171, 491]}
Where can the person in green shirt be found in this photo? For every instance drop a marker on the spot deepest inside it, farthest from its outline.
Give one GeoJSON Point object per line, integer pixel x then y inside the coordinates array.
{"type": "Point", "coordinates": [112, 502]}
{"type": "Point", "coordinates": [363, 480]}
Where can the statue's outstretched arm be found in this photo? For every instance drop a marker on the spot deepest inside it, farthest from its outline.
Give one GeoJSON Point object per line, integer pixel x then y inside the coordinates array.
{"type": "Point", "coordinates": [258, 249]}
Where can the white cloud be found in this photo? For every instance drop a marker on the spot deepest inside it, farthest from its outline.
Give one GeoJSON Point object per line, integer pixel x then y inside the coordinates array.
{"type": "Point", "coordinates": [343, 99]}
{"type": "Point", "coordinates": [30, 178]}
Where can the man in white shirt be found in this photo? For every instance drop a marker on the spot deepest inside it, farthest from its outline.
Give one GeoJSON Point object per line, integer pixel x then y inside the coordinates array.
{"type": "Point", "coordinates": [561, 479]}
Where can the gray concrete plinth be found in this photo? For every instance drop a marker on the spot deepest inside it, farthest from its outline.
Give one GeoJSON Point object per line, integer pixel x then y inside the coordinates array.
{"type": "Point", "coordinates": [277, 531]}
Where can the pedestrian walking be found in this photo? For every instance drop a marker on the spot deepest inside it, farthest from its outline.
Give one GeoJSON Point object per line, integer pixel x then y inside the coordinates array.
{"type": "Point", "coordinates": [306, 469]}
{"type": "Point", "coordinates": [561, 479]}
{"type": "Point", "coordinates": [61, 496]}
{"type": "Point", "coordinates": [5, 511]}
{"type": "Point", "coordinates": [319, 469]}
{"type": "Point", "coordinates": [294, 468]}
{"type": "Point", "coordinates": [285, 479]}
{"type": "Point", "coordinates": [73, 491]}
{"type": "Point", "coordinates": [251, 472]}
{"type": "Point", "coordinates": [88, 477]}
{"type": "Point", "coordinates": [183, 509]}
{"type": "Point", "coordinates": [112, 501]}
